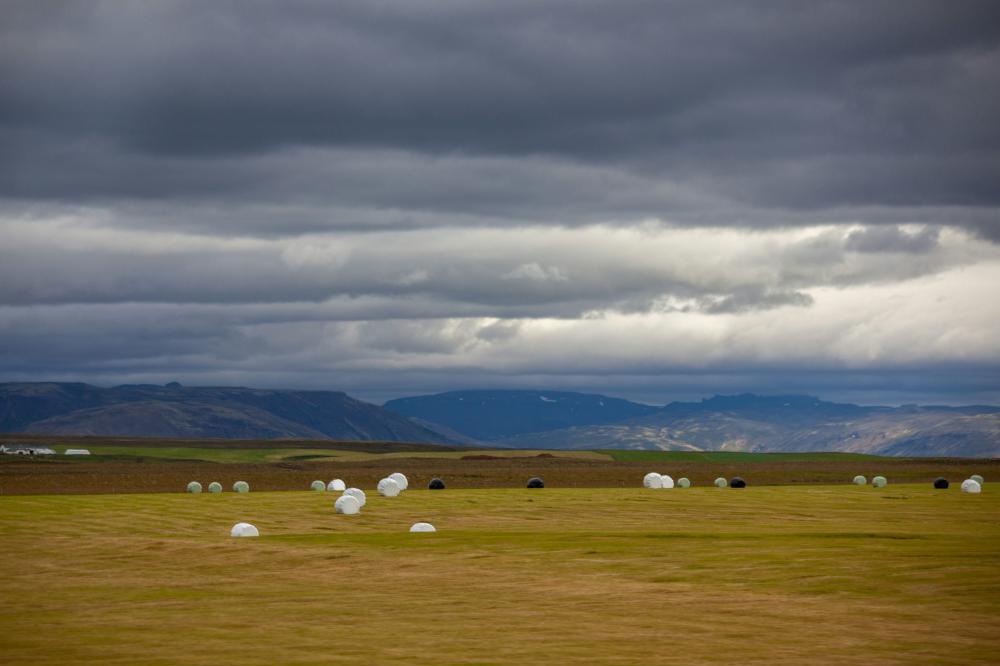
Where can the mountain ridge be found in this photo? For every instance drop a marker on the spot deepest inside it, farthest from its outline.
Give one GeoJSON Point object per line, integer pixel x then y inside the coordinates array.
{"type": "Point", "coordinates": [177, 411]}
{"type": "Point", "coordinates": [487, 415]}
{"type": "Point", "coordinates": [749, 422]}
{"type": "Point", "coordinates": [509, 418]}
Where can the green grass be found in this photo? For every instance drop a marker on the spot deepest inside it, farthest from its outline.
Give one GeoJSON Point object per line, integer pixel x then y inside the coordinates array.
{"type": "Point", "coordinates": [784, 575]}
{"type": "Point", "coordinates": [207, 454]}
{"type": "Point", "coordinates": [730, 456]}
{"type": "Point", "coordinates": [278, 454]}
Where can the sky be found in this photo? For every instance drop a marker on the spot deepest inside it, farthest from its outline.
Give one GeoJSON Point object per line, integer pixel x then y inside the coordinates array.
{"type": "Point", "coordinates": [654, 200]}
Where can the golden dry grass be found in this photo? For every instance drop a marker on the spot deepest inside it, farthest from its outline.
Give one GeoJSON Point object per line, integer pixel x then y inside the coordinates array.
{"type": "Point", "coordinates": [787, 575]}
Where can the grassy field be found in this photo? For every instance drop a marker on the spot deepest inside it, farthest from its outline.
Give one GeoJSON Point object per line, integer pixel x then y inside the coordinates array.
{"type": "Point", "coordinates": [779, 575]}
{"type": "Point", "coordinates": [263, 455]}
{"type": "Point", "coordinates": [163, 468]}
{"type": "Point", "coordinates": [734, 456]}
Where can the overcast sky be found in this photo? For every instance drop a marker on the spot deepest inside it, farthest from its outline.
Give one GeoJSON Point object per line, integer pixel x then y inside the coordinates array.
{"type": "Point", "coordinates": [654, 200]}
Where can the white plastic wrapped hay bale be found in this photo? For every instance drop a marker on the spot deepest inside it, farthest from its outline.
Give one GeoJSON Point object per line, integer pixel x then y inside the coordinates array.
{"type": "Point", "coordinates": [241, 487]}
{"type": "Point", "coordinates": [215, 487]}
{"type": "Point", "coordinates": [666, 481]}
{"type": "Point", "coordinates": [388, 487]}
{"type": "Point", "coordinates": [358, 494]}
{"type": "Point", "coordinates": [336, 485]}
{"type": "Point", "coordinates": [244, 530]}
{"type": "Point", "coordinates": [347, 505]}
{"type": "Point", "coordinates": [318, 486]}
{"type": "Point", "coordinates": [400, 480]}
{"type": "Point", "coordinates": [720, 482]}
{"type": "Point", "coordinates": [978, 479]}
{"type": "Point", "coordinates": [652, 480]}
{"type": "Point", "coordinates": [971, 486]}
{"type": "Point", "coordinates": [194, 487]}
{"type": "Point", "coordinates": [860, 481]}
{"type": "Point", "coordinates": [880, 482]}
{"type": "Point", "coordinates": [422, 527]}
{"type": "Point", "coordinates": [683, 482]}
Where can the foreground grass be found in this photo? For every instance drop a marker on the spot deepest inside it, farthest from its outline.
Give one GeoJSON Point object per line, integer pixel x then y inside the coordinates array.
{"type": "Point", "coordinates": [821, 574]}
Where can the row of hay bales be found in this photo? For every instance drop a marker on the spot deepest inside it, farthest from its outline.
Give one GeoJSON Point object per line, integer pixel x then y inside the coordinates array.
{"type": "Point", "coordinates": [390, 486]}
{"type": "Point", "coordinates": [973, 485]}
{"type": "Point", "coordinates": [657, 480]}
{"type": "Point", "coordinates": [216, 487]}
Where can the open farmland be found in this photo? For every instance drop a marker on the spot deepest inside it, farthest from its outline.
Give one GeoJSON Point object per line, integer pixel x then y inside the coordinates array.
{"type": "Point", "coordinates": [123, 465]}
{"type": "Point", "coordinates": [790, 575]}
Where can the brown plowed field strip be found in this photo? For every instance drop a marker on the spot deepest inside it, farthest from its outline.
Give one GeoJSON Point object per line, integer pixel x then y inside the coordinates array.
{"type": "Point", "coordinates": [144, 475]}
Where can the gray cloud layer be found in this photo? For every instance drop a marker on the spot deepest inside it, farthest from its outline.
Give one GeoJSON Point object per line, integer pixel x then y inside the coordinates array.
{"type": "Point", "coordinates": [360, 193]}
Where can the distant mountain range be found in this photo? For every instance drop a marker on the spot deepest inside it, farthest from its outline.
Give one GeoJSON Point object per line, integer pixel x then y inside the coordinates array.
{"type": "Point", "coordinates": [179, 411]}
{"type": "Point", "coordinates": [736, 423]}
{"type": "Point", "coordinates": [492, 415]}
{"type": "Point", "coordinates": [515, 419]}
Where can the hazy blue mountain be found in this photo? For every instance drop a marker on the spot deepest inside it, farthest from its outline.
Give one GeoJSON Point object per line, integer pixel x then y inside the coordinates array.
{"type": "Point", "coordinates": [490, 415]}
{"type": "Point", "coordinates": [789, 423]}
{"type": "Point", "coordinates": [520, 419]}
{"type": "Point", "coordinates": [178, 411]}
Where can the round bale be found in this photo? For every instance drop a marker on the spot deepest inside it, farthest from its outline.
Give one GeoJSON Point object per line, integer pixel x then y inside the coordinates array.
{"type": "Point", "coordinates": [422, 527]}
{"type": "Point", "coordinates": [194, 487]}
{"type": "Point", "coordinates": [400, 480]}
{"type": "Point", "coordinates": [388, 487]}
{"type": "Point", "coordinates": [244, 530]}
{"type": "Point", "coordinates": [683, 482]}
{"type": "Point", "coordinates": [318, 486]}
{"type": "Point", "coordinates": [347, 505]}
{"type": "Point", "coordinates": [720, 483]}
{"type": "Point", "coordinates": [971, 486]}
{"type": "Point", "coordinates": [358, 494]}
{"type": "Point", "coordinates": [737, 482]}
{"type": "Point", "coordinates": [652, 480]}
{"type": "Point", "coordinates": [860, 480]}
{"type": "Point", "coordinates": [941, 483]}
{"type": "Point", "coordinates": [215, 487]}
{"type": "Point", "coordinates": [978, 479]}
{"type": "Point", "coordinates": [241, 487]}
{"type": "Point", "coordinates": [435, 484]}
{"type": "Point", "coordinates": [535, 482]}
{"type": "Point", "coordinates": [336, 485]}
{"type": "Point", "coordinates": [879, 482]}
{"type": "Point", "coordinates": [667, 480]}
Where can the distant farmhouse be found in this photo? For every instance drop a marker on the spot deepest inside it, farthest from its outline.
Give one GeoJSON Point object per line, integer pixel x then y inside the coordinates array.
{"type": "Point", "coordinates": [25, 450]}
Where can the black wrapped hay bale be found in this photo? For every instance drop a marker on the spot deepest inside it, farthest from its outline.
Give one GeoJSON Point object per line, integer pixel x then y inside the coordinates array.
{"type": "Point", "coordinates": [535, 482]}
{"type": "Point", "coordinates": [737, 482]}
{"type": "Point", "coordinates": [940, 483]}
{"type": "Point", "coordinates": [435, 484]}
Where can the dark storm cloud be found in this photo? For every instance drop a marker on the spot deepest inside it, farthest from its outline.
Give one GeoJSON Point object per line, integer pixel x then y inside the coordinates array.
{"type": "Point", "coordinates": [892, 239]}
{"type": "Point", "coordinates": [393, 197]}
{"type": "Point", "coordinates": [756, 299]}
{"type": "Point", "coordinates": [774, 105]}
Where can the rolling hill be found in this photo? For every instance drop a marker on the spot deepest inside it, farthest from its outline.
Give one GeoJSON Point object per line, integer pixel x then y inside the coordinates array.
{"type": "Point", "coordinates": [788, 423]}
{"type": "Point", "coordinates": [514, 419]}
{"type": "Point", "coordinates": [492, 415]}
{"type": "Point", "coordinates": [178, 411]}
